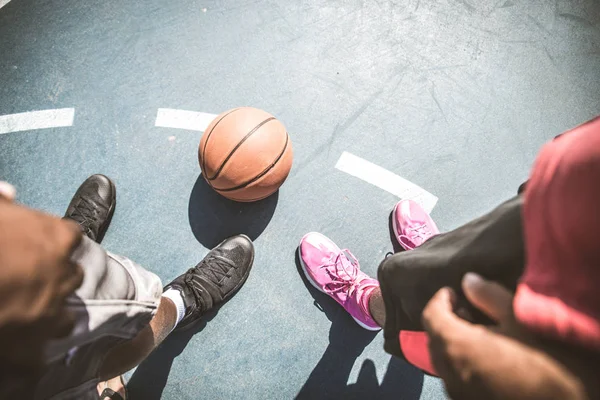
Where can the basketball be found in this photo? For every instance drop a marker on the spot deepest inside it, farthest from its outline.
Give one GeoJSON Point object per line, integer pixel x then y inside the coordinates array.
{"type": "Point", "coordinates": [245, 154]}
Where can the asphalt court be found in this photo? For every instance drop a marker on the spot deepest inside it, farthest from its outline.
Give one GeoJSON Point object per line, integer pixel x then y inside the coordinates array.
{"type": "Point", "coordinates": [453, 97]}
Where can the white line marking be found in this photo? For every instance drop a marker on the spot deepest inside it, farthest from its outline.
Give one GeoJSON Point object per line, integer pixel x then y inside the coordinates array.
{"type": "Point", "coordinates": [386, 180]}
{"type": "Point", "coordinates": [36, 120]}
{"type": "Point", "coordinates": [4, 2]}
{"type": "Point", "coordinates": [181, 119]}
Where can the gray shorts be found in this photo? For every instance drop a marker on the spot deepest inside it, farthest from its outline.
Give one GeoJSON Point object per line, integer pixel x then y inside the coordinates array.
{"type": "Point", "coordinates": [117, 299]}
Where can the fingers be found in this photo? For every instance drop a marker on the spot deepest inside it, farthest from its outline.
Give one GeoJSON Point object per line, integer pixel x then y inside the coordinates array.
{"type": "Point", "coordinates": [490, 297]}
{"type": "Point", "coordinates": [72, 236]}
{"type": "Point", "coordinates": [438, 316]}
{"type": "Point", "coordinates": [7, 191]}
{"type": "Point", "coordinates": [69, 238]}
{"type": "Point", "coordinates": [448, 334]}
{"type": "Point", "coordinates": [465, 314]}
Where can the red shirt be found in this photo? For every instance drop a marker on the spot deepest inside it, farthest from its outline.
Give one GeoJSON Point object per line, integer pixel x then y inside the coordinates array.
{"type": "Point", "coordinates": [559, 292]}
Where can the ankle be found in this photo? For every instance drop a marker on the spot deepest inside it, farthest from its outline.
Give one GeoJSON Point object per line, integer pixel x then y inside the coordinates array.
{"type": "Point", "coordinates": [376, 307]}
{"type": "Point", "coordinates": [363, 298]}
{"type": "Point", "coordinates": [174, 298]}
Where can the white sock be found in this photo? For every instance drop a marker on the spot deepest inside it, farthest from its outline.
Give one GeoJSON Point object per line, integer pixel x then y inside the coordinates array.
{"type": "Point", "coordinates": [175, 296]}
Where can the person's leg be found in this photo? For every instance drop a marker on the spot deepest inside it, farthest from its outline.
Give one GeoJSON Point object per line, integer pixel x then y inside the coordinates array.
{"type": "Point", "coordinates": [491, 245]}
{"type": "Point", "coordinates": [212, 282]}
{"type": "Point", "coordinates": [413, 344]}
{"type": "Point", "coordinates": [128, 355]}
{"type": "Point", "coordinates": [92, 207]}
{"type": "Point", "coordinates": [377, 307]}
{"type": "Point", "coordinates": [337, 272]}
{"type": "Point", "coordinates": [122, 311]}
{"type": "Point", "coordinates": [116, 301]}
{"type": "Point", "coordinates": [412, 227]}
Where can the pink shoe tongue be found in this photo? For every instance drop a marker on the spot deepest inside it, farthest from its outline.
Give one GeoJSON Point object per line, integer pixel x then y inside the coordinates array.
{"type": "Point", "coordinates": [417, 240]}
{"type": "Point", "coordinates": [344, 267]}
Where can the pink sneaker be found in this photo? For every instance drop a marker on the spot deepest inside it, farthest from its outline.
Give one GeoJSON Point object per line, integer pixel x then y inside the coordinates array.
{"type": "Point", "coordinates": [337, 273]}
{"type": "Point", "coordinates": [412, 225]}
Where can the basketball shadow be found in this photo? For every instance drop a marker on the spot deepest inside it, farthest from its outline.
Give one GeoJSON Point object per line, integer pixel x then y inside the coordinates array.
{"type": "Point", "coordinates": [214, 218]}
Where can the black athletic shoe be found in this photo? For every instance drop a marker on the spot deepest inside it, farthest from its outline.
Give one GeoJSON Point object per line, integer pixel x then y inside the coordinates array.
{"type": "Point", "coordinates": [215, 279]}
{"type": "Point", "coordinates": [93, 205]}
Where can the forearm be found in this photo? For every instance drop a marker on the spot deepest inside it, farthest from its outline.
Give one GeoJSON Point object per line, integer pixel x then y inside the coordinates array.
{"type": "Point", "coordinates": [517, 372]}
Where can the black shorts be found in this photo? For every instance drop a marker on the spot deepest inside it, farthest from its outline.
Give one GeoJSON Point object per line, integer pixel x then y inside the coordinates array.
{"type": "Point", "coordinates": [491, 246]}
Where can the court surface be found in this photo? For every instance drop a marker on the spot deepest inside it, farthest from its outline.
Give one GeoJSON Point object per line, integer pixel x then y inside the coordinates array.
{"type": "Point", "coordinates": [455, 96]}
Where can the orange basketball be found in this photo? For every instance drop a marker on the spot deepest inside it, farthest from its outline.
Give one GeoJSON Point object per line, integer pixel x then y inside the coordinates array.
{"type": "Point", "coordinates": [245, 154]}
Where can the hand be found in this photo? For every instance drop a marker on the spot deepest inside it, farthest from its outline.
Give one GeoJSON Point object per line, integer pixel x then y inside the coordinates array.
{"type": "Point", "coordinates": [476, 362]}
{"type": "Point", "coordinates": [36, 277]}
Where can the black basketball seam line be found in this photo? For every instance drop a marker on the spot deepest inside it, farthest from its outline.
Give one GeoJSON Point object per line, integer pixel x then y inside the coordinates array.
{"type": "Point", "coordinates": [237, 146]}
{"type": "Point", "coordinates": [248, 200]}
{"type": "Point", "coordinates": [287, 140]}
{"type": "Point", "coordinates": [203, 166]}
{"type": "Point", "coordinates": [263, 173]}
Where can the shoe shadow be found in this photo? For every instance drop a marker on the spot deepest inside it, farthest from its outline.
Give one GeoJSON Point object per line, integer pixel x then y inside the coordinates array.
{"type": "Point", "coordinates": [396, 246]}
{"type": "Point", "coordinates": [329, 378]}
{"type": "Point", "coordinates": [214, 218]}
{"type": "Point", "coordinates": [150, 378]}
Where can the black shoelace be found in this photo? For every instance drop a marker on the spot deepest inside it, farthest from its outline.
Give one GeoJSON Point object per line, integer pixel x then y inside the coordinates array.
{"type": "Point", "coordinates": [214, 268]}
{"type": "Point", "coordinates": [86, 214]}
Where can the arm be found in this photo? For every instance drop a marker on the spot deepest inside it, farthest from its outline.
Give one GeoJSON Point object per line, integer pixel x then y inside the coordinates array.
{"type": "Point", "coordinates": [36, 277]}
{"type": "Point", "coordinates": [503, 362]}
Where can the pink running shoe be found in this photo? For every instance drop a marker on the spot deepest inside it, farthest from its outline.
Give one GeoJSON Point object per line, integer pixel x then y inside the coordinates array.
{"type": "Point", "coordinates": [337, 273]}
{"type": "Point", "coordinates": [412, 225]}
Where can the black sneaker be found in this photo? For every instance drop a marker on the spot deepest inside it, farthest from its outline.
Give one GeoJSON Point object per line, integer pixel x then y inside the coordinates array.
{"type": "Point", "coordinates": [215, 279]}
{"type": "Point", "coordinates": [93, 206]}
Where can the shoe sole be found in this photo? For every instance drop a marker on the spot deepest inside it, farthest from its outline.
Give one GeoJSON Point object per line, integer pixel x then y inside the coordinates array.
{"type": "Point", "coordinates": [111, 210]}
{"type": "Point", "coordinates": [312, 282]}
{"type": "Point", "coordinates": [226, 299]}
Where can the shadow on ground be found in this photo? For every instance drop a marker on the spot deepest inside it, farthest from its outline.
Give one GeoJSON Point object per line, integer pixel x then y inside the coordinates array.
{"type": "Point", "coordinates": [347, 340]}
{"type": "Point", "coordinates": [149, 379]}
{"type": "Point", "coordinates": [395, 244]}
{"type": "Point", "coordinates": [214, 218]}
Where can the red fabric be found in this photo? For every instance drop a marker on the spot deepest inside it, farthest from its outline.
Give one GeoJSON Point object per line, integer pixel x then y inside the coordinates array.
{"type": "Point", "coordinates": [414, 345]}
{"type": "Point", "coordinates": [558, 295]}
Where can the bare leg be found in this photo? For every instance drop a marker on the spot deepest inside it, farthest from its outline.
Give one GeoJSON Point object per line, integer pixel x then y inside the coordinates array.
{"type": "Point", "coordinates": [376, 307]}
{"type": "Point", "coordinates": [127, 355]}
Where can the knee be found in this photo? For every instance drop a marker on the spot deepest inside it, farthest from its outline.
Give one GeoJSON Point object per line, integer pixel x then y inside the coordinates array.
{"type": "Point", "coordinates": [135, 283]}
{"type": "Point", "coordinates": [390, 267]}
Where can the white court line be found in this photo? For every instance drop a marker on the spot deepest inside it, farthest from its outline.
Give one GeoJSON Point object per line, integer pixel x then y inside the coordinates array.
{"type": "Point", "coordinates": [4, 2]}
{"type": "Point", "coordinates": [181, 119]}
{"type": "Point", "coordinates": [386, 180]}
{"type": "Point", "coordinates": [36, 120]}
